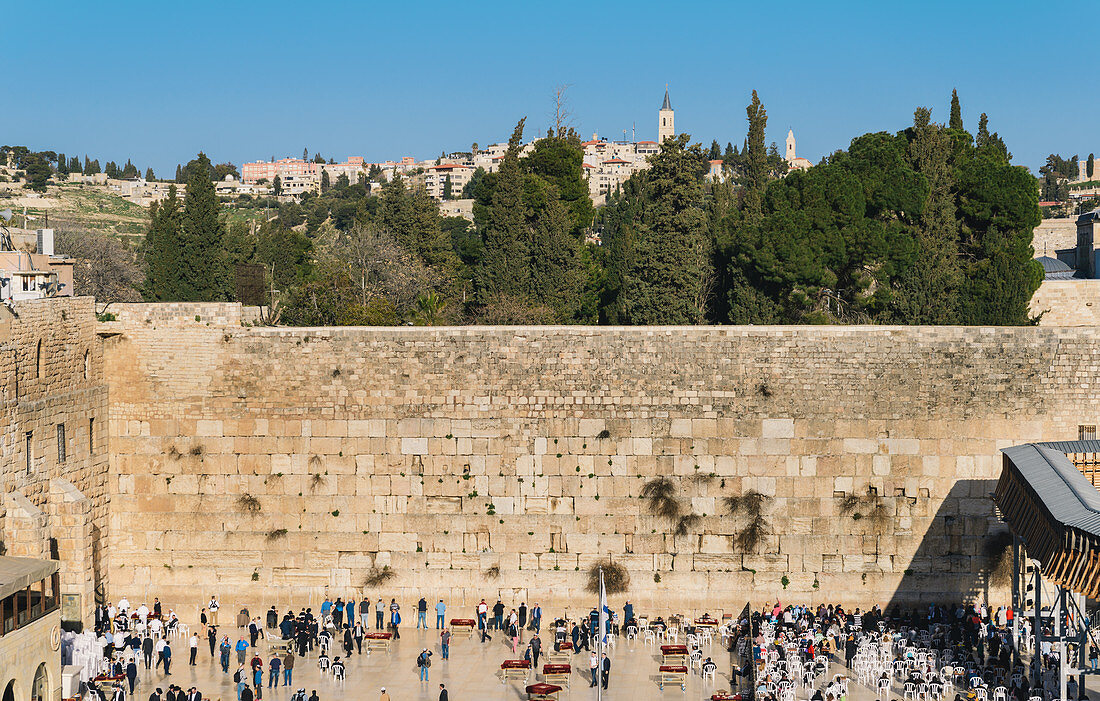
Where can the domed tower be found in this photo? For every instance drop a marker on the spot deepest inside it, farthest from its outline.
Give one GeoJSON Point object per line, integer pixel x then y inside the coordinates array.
{"type": "Point", "coordinates": [665, 126]}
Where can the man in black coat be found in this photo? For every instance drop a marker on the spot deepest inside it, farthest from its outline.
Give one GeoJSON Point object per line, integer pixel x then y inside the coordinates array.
{"type": "Point", "coordinates": [155, 696]}
{"type": "Point", "coordinates": [605, 667]}
{"type": "Point", "coordinates": [147, 651]}
{"type": "Point", "coordinates": [131, 674]}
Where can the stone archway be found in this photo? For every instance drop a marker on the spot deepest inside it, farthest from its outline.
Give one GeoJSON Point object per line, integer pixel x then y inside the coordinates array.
{"type": "Point", "coordinates": [9, 691]}
{"type": "Point", "coordinates": [40, 687]}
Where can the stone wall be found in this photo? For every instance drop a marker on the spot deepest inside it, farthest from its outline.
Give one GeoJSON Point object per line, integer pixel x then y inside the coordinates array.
{"type": "Point", "coordinates": [1053, 235]}
{"type": "Point", "coordinates": [281, 464]}
{"type": "Point", "coordinates": [1067, 303]}
{"type": "Point", "coordinates": [51, 375]}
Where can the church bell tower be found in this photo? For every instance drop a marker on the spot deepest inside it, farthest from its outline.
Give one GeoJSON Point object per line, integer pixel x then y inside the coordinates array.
{"type": "Point", "coordinates": [665, 126]}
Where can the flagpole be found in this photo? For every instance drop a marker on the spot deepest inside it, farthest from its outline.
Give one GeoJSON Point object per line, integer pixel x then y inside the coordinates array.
{"type": "Point", "coordinates": [599, 640]}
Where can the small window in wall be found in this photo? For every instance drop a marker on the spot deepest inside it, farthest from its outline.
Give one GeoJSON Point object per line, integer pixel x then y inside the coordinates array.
{"type": "Point", "coordinates": [61, 442]}
{"type": "Point", "coordinates": [1086, 433]}
{"type": "Point", "coordinates": [87, 364]}
{"type": "Point", "coordinates": [91, 436]}
{"type": "Point", "coordinates": [30, 451]}
{"type": "Point", "coordinates": [38, 361]}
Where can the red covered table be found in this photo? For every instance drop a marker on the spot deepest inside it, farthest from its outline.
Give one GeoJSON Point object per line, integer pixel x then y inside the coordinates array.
{"type": "Point", "coordinates": [462, 627]}
{"type": "Point", "coordinates": [543, 692]}
{"type": "Point", "coordinates": [378, 641]}
{"type": "Point", "coordinates": [674, 654]}
{"type": "Point", "coordinates": [556, 674]}
{"type": "Point", "coordinates": [725, 697]}
{"type": "Point", "coordinates": [673, 674]}
{"type": "Point", "coordinates": [514, 669]}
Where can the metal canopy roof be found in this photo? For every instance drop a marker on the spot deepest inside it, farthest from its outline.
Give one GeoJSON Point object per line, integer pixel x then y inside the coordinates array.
{"type": "Point", "coordinates": [1054, 508]}
{"type": "Point", "coordinates": [17, 573]}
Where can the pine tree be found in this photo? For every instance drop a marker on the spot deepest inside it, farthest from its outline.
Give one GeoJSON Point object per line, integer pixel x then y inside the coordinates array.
{"type": "Point", "coordinates": [413, 219]}
{"type": "Point", "coordinates": [956, 112]}
{"type": "Point", "coordinates": [203, 274]}
{"type": "Point", "coordinates": [62, 165]}
{"type": "Point", "coordinates": [1089, 166]}
{"type": "Point", "coordinates": [149, 175]}
{"type": "Point", "coordinates": [129, 170]}
{"type": "Point", "coordinates": [179, 173]}
{"type": "Point", "coordinates": [162, 251]}
{"type": "Point", "coordinates": [505, 235]}
{"type": "Point", "coordinates": [277, 186]}
{"type": "Point", "coordinates": [74, 164]}
{"type": "Point", "coordinates": [448, 188]}
{"type": "Point", "coordinates": [665, 280]}
{"type": "Point", "coordinates": [325, 183]}
{"type": "Point", "coordinates": [715, 150]}
{"type": "Point", "coordinates": [305, 155]}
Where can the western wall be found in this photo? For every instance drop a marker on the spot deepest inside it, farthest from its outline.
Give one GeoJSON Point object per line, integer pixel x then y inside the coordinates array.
{"type": "Point", "coordinates": [278, 465]}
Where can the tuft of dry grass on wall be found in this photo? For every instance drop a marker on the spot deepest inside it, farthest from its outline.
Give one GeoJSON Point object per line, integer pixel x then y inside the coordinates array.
{"type": "Point", "coordinates": [493, 572]}
{"type": "Point", "coordinates": [660, 492]}
{"type": "Point", "coordinates": [686, 523]}
{"type": "Point", "coordinates": [616, 579]}
{"type": "Point", "coordinates": [376, 576]}
{"type": "Point", "coordinates": [750, 508]}
{"type": "Point", "coordinates": [248, 503]}
{"type": "Point", "coordinates": [276, 534]}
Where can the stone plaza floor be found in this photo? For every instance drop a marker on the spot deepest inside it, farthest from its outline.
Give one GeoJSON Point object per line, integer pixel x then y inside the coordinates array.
{"type": "Point", "coordinates": [472, 672]}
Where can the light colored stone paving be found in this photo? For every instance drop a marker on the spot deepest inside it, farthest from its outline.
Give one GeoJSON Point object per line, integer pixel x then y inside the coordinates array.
{"type": "Point", "coordinates": [472, 672]}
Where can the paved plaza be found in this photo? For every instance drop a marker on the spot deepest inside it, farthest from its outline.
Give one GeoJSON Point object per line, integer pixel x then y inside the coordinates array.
{"type": "Point", "coordinates": [472, 672]}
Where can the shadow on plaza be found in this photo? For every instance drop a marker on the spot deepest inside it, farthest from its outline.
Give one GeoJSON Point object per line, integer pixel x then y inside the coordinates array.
{"type": "Point", "coordinates": [953, 561]}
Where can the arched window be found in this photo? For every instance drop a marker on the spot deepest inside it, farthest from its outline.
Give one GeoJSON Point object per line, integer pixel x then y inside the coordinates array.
{"type": "Point", "coordinates": [40, 687]}
{"type": "Point", "coordinates": [38, 360]}
{"type": "Point", "coordinates": [9, 691]}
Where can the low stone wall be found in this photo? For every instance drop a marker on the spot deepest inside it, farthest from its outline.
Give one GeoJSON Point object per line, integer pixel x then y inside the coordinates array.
{"type": "Point", "coordinates": [285, 464]}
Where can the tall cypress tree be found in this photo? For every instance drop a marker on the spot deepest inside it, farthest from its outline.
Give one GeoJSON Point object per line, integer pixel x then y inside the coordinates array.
{"type": "Point", "coordinates": [62, 165]}
{"type": "Point", "coordinates": [506, 237]}
{"type": "Point", "coordinates": [203, 274]}
{"type": "Point", "coordinates": [1089, 165]}
{"type": "Point", "coordinates": [162, 251]}
{"type": "Point", "coordinates": [929, 290]}
{"type": "Point", "coordinates": [956, 112]}
{"type": "Point", "coordinates": [755, 158]}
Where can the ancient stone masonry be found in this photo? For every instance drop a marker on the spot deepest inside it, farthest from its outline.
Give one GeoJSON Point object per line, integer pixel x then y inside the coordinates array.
{"type": "Point", "coordinates": [53, 438]}
{"type": "Point", "coordinates": [286, 463]}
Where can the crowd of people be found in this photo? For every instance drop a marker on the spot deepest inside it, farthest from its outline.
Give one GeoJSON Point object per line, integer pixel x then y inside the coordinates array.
{"type": "Point", "coordinates": [932, 652]}
{"type": "Point", "coordinates": [774, 651]}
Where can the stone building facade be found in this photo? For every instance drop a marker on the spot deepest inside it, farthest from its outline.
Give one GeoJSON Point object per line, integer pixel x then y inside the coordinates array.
{"type": "Point", "coordinates": [282, 464]}
{"type": "Point", "coordinates": [53, 437]}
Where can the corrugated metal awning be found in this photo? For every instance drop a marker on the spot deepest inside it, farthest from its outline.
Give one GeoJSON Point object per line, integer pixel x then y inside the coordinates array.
{"type": "Point", "coordinates": [1054, 508]}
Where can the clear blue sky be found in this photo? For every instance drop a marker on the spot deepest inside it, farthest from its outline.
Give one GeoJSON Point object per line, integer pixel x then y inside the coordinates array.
{"type": "Point", "coordinates": [156, 82]}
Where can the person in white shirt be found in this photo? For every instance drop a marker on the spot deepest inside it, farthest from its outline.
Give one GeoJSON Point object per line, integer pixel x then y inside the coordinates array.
{"type": "Point", "coordinates": [155, 627]}
{"type": "Point", "coordinates": [160, 652]}
{"type": "Point", "coordinates": [212, 607]}
{"type": "Point", "coordinates": [143, 612]}
{"type": "Point", "coordinates": [123, 605]}
{"type": "Point", "coordinates": [194, 643]}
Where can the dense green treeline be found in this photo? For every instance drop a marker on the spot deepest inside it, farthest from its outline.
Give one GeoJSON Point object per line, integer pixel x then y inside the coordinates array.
{"type": "Point", "coordinates": [927, 225]}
